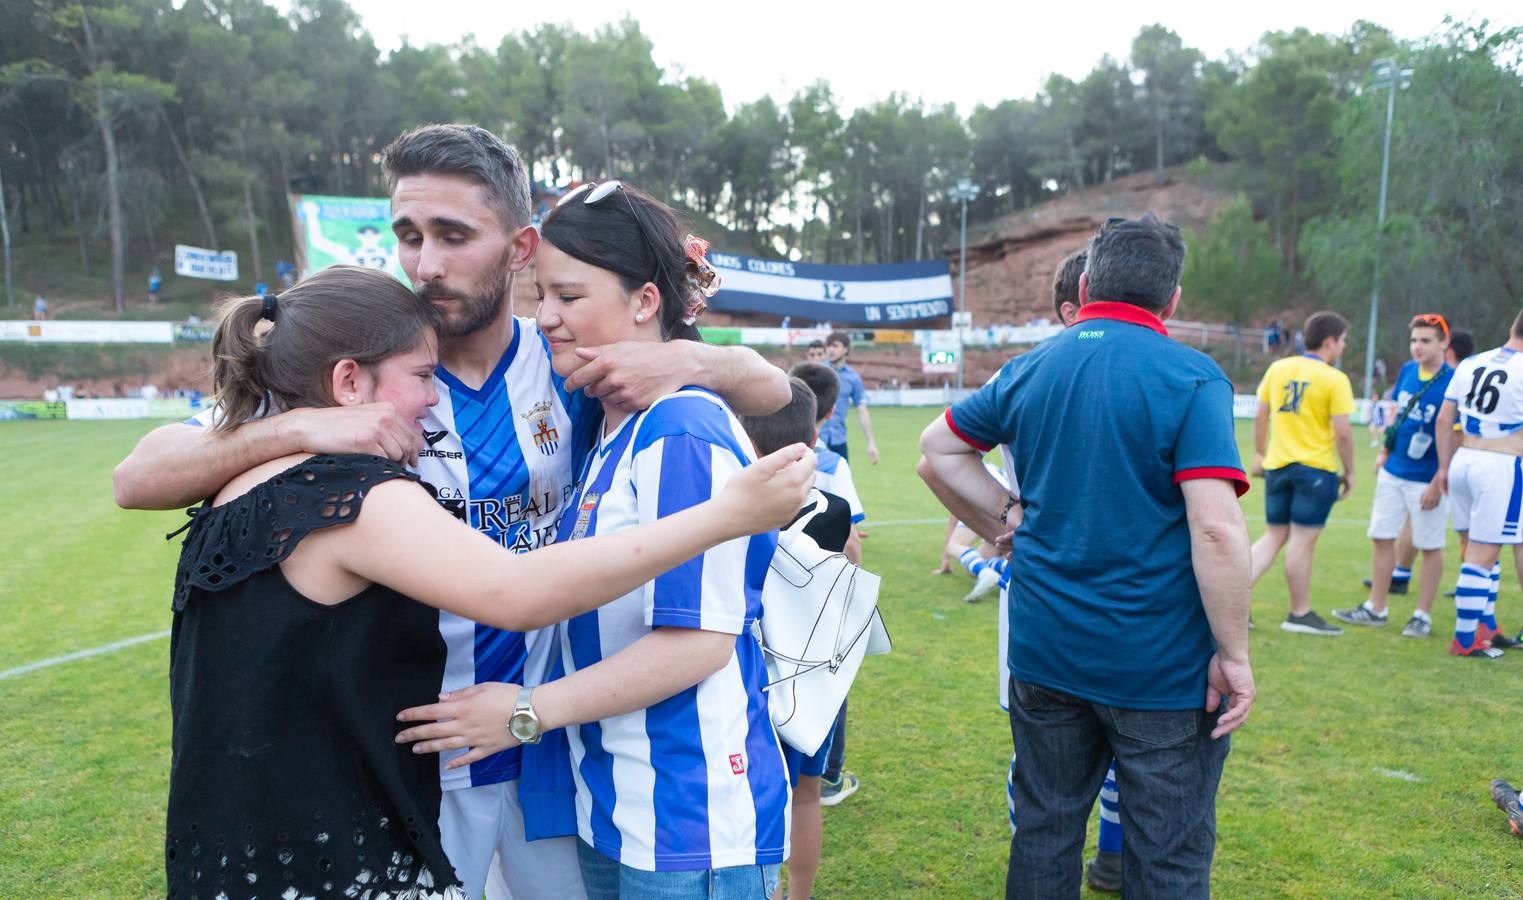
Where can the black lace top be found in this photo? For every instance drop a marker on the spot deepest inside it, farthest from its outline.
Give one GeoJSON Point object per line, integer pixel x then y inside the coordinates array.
{"type": "Point", "coordinates": [285, 780]}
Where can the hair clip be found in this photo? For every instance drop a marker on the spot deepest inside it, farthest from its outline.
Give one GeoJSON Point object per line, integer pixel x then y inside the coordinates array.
{"type": "Point", "coordinates": [270, 302]}
{"type": "Point", "coordinates": [697, 250]}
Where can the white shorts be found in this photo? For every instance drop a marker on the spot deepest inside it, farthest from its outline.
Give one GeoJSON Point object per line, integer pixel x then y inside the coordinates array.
{"type": "Point", "coordinates": [1487, 490]}
{"type": "Point", "coordinates": [1398, 498]}
{"type": "Point", "coordinates": [481, 824]}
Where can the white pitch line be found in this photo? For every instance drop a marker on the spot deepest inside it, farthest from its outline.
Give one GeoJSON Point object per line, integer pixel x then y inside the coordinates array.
{"type": "Point", "coordinates": [82, 654]}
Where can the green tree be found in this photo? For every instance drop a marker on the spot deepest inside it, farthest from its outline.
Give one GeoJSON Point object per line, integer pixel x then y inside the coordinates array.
{"type": "Point", "coordinates": [1233, 271]}
{"type": "Point", "coordinates": [1170, 84]}
{"type": "Point", "coordinates": [1452, 241]}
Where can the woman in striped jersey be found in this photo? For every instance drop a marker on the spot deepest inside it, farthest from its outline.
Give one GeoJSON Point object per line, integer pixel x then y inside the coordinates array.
{"type": "Point", "coordinates": [682, 790]}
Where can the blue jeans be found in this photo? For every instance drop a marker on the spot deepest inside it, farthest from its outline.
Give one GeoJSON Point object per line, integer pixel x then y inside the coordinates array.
{"type": "Point", "coordinates": [1167, 768]}
{"type": "Point", "coordinates": [608, 879]}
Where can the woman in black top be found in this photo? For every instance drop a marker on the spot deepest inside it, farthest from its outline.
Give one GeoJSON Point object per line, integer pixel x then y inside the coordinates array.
{"type": "Point", "coordinates": [297, 641]}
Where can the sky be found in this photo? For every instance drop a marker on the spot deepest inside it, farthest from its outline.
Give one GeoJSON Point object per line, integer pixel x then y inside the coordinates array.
{"type": "Point", "coordinates": [941, 52]}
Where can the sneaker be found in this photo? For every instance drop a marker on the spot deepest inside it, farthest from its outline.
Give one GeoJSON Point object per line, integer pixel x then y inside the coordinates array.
{"type": "Point", "coordinates": [1397, 587]}
{"type": "Point", "coordinates": [1104, 872]}
{"type": "Point", "coordinates": [1484, 633]}
{"type": "Point", "coordinates": [1506, 800]}
{"type": "Point", "coordinates": [1419, 628]}
{"type": "Point", "coordinates": [1311, 623]}
{"type": "Point", "coordinates": [1361, 615]}
{"type": "Point", "coordinates": [833, 792]}
{"type": "Point", "coordinates": [1503, 642]}
{"type": "Point", "coordinates": [988, 580]}
{"type": "Point", "coordinates": [1477, 650]}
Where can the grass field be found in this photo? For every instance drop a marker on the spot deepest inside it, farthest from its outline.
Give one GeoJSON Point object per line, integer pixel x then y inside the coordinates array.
{"type": "Point", "coordinates": [1309, 804]}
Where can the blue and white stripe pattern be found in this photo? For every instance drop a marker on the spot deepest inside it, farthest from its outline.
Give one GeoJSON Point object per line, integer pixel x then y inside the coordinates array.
{"type": "Point", "coordinates": [1514, 501]}
{"type": "Point", "coordinates": [1470, 595]}
{"type": "Point", "coordinates": [832, 474]}
{"type": "Point", "coordinates": [698, 780]}
{"type": "Point", "coordinates": [481, 462]}
{"type": "Point", "coordinates": [1110, 814]}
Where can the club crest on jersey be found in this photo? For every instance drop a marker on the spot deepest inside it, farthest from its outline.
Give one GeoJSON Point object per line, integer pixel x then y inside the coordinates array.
{"type": "Point", "coordinates": [738, 763]}
{"type": "Point", "coordinates": [546, 436]}
{"type": "Point", "coordinates": [584, 515]}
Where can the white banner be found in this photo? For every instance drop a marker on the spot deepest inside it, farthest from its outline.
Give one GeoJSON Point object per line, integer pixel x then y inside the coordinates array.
{"type": "Point", "coordinates": [68, 331]}
{"type": "Point", "coordinates": [198, 262]}
{"type": "Point", "coordinates": [108, 409]}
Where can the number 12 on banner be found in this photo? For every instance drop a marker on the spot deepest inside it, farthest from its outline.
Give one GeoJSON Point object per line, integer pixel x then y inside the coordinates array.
{"type": "Point", "coordinates": [834, 290]}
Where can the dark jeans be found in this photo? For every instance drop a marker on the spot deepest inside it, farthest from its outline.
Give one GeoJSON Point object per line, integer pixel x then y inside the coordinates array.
{"type": "Point", "coordinates": [840, 450]}
{"type": "Point", "coordinates": [837, 756]}
{"type": "Point", "coordinates": [1167, 768]}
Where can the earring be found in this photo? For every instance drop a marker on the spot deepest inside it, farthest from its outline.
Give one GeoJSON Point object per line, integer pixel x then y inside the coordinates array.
{"type": "Point", "coordinates": [640, 317]}
{"type": "Point", "coordinates": [350, 398]}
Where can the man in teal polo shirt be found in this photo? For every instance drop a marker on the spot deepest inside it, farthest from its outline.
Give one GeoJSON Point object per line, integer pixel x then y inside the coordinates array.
{"type": "Point", "coordinates": [1132, 534]}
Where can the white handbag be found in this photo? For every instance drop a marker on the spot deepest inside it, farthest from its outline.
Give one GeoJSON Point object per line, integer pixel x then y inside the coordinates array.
{"type": "Point", "coordinates": [820, 618]}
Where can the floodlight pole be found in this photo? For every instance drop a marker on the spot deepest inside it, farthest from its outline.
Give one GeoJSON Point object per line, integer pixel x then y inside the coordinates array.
{"type": "Point", "coordinates": [1384, 74]}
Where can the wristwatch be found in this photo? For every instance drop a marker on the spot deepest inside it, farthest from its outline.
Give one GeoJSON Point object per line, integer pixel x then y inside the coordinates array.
{"type": "Point", "coordinates": [524, 724]}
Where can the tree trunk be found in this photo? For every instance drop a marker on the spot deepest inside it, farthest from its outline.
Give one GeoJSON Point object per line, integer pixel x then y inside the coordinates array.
{"type": "Point", "coordinates": [861, 238]}
{"type": "Point", "coordinates": [920, 227]}
{"type": "Point", "coordinates": [114, 202]}
{"type": "Point", "coordinates": [5, 235]}
{"type": "Point", "coordinates": [79, 227]}
{"type": "Point", "coordinates": [253, 226]}
{"type": "Point", "coordinates": [113, 191]}
{"type": "Point", "coordinates": [208, 231]}
{"type": "Point", "coordinates": [1158, 126]}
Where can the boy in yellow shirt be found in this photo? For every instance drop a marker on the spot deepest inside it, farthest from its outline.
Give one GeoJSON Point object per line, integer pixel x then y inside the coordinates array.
{"type": "Point", "coordinates": [1304, 407]}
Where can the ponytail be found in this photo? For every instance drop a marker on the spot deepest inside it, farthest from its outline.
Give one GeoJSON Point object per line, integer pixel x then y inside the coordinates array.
{"type": "Point", "coordinates": [237, 351]}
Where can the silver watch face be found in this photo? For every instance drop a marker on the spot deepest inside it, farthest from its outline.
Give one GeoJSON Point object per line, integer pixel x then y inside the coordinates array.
{"type": "Point", "coordinates": [523, 726]}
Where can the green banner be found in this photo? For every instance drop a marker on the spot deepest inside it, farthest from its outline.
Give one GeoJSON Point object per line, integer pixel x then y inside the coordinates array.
{"type": "Point", "coordinates": [720, 335]}
{"type": "Point", "coordinates": [353, 231]}
{"type": "Point", "coordinates": [33, 409]}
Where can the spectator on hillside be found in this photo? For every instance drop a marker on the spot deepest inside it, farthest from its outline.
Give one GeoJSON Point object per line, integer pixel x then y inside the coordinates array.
{"type": "Point", "coordinates": [1175, 619]}
{"type": "Point", "coordinates": [155, 283]}
{"type": "Point", "coordinates": [40, 308]}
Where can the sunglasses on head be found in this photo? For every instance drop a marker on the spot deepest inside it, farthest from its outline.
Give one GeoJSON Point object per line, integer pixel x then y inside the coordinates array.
{"type": "Point", "coordinates": [1433, 320]}
{"type": "Point", "coordinates": [594, 192]}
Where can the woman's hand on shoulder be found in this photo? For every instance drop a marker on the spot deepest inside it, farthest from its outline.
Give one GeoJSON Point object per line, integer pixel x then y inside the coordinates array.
{"type": "Point", "coordinates": [474, 717]}
{"type": "Point", "coordinates": [770, 492]}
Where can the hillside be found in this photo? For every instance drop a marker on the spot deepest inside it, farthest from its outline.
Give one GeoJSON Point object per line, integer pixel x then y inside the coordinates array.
{"type": "Point", "coordinates": [1011, 260]}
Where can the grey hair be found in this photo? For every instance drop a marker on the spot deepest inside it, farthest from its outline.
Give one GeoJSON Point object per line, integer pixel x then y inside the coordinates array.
{"type": "Point", "coordinates": [1136, 261]}
{"type": "Point", "coordinates": [470, 152]}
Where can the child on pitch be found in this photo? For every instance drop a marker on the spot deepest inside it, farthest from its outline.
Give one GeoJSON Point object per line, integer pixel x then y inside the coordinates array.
{"type": "Point", "coordinates": [827, 519]}
{"type": "Point", "coordinates": [681, 786]}
{"type": "Point", "coordinates": [1407, 487]}
{"type": "Point", "coordinates": [833, 476]}
{"type": "Point", "coordinates": [1484, 477]}
{"type": "Point", "coordinates": [307, 602]}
